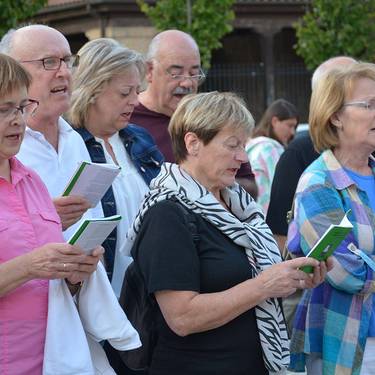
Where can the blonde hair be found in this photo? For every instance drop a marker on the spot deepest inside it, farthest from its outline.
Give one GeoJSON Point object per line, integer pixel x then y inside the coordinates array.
{"type": "Point", "coordinates": [12, 75]}
{"type": "Point", "coordinates": [205, 114]}
{"type": "Point", "coordinates": [100, 60]}
{"type": "Point", "coordinates": [328, 98]}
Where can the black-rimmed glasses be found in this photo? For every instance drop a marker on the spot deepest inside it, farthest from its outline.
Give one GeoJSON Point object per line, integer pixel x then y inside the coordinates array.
{"type": "Point", "coordinates": [9, 111]}
{"type": "Point", "coordinates": [54, 63]}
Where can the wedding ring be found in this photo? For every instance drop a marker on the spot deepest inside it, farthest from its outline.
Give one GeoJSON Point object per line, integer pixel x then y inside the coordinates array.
{"type": "Point", "coordinates": [64, 266]}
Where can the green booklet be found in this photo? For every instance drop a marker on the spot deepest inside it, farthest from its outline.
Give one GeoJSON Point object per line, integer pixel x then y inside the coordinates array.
{"type": "Point", "coordinates": [91, 181]}
{"type": "Point", "coordinates": [330, 240]}
{"type": "Point", "coordinates": [92, 232]}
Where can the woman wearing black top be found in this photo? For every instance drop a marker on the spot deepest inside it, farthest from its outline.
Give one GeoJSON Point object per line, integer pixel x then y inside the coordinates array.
{"type": "Point", "coordinates": [218, 311]}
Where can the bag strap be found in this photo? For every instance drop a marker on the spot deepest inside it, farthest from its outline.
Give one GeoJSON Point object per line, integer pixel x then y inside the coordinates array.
{"type": "Point", "coordinates": [190, 221]}
{"type": "Point", "coordinates": [285, 254]}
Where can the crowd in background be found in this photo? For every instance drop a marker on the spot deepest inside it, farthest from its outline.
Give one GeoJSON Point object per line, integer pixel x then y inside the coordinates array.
{"type": "Point", "coordinates": [203, 193]}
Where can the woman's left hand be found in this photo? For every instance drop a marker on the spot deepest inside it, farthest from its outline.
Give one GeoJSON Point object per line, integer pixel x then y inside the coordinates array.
{"type": "Point", "coordinates": [86, 267]}
{"type": "Point", "coordinates": [319, 274]}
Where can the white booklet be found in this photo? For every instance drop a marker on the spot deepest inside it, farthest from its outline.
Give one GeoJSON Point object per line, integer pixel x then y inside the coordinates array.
{"type": "Point", "coordinates": [91, 181]}
{"type": "Point", "coordinates": [92, 232]}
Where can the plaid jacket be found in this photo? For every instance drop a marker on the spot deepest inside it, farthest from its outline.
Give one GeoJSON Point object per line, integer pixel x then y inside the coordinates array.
{"type": "Point", "coordinates": [332, 320]}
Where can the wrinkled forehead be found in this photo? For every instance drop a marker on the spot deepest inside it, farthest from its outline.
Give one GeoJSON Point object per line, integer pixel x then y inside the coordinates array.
{"type": "Point", "coordinates": [180, 57]}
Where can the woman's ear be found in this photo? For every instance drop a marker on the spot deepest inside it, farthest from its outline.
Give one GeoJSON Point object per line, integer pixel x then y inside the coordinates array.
{"type": "Point", "coordinates": [274, 121]}
{"type": "Point", "coordinates": [335, 120]}
{"type": "Point", "coordinates": [192, 143]}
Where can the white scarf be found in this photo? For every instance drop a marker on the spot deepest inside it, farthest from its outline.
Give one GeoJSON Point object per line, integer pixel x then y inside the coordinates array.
{"type": "Point", "coordinates": [74, 331]}
{"type": "Point", "coordinates": [244, 224]}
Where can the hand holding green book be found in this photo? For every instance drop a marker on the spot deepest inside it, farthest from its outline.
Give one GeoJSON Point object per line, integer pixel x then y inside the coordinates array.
{"type": "Point", "coordinates": [330, 240]}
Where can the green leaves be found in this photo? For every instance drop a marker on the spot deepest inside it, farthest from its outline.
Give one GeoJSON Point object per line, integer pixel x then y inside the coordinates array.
{"type": "Point", "coordinates": [336, 27]}
{"type": "Point", "coordinates": [209, 20]}
{"type": "Point", "coordinates": [14, 11]}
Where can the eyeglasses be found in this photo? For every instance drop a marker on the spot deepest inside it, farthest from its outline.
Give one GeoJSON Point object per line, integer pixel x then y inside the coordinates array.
{"type": "Point", "coordinates": [234, 147]}
{"type": "Point", "coordinates": [9, 112]}
{"type": "Point", "coordinates": [54, 63]}
{"type": "Point", "coordinates": [369, 105]}
{"type": "Point", "coordinates": [199, 78]}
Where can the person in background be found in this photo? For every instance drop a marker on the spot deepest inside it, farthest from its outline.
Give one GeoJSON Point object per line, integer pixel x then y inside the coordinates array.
{"type": "Point", "coordinates": [217, 308]}
{"type": "Point", "coordinates": [33, 249]}
{"type": "Point", "coordinates": [51, 147]}
{"type": "Point", "coordinates": [174, 71]}
{"type": "Point", "coordinates": [298, 155]}
{"type": "Point", "coordinates": [105, 91]}
{"type": "Point", "coordinates": [334, 327]}
{"type": "Point", "coordinates": [268, 140]}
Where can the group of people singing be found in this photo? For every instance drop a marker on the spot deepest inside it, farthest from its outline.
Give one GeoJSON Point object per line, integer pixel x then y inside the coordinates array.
{"type": "Point", "coordinates": [218, 299]}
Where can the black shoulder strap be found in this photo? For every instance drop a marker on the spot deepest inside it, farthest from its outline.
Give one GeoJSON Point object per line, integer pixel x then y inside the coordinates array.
{"type": "Point", "coordinates": [191, 221]}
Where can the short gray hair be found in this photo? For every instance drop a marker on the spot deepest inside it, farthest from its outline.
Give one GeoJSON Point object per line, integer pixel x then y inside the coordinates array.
{"type": "Point", "coordinates": [100, 60]}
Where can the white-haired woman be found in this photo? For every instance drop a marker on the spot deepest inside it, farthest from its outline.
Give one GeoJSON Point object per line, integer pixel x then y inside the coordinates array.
{"type": "Point", "coordinates": [218, 311]}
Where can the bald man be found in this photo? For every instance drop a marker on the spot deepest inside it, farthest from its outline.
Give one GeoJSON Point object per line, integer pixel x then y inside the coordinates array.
{"type": "Point", "coordinates": [50, 147]}
{"type": "Point", "coordinates": [173, 71]}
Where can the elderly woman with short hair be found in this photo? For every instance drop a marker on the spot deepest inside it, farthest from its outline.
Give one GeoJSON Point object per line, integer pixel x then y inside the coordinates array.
{"type": "Point", "coordinates": [218, 311]}
{"type": "Point", "coordinates": [334, 329]}
{"type": "Point", "coordinates": [105, 90]}
{"type": "Point", "coordinates": [32, 246]}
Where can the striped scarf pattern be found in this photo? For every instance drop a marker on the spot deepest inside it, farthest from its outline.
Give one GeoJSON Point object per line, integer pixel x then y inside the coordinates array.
{"type": "Point", "coordinates": [244, 224]}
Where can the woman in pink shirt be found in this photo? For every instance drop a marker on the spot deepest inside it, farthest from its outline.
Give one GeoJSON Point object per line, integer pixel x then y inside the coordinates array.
{"type": "Point", "coordinates": [32, 249]}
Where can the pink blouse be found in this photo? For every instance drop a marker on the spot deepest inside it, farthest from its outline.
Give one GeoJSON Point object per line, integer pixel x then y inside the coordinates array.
{"type": "Point", "coordinates": [28, 220]}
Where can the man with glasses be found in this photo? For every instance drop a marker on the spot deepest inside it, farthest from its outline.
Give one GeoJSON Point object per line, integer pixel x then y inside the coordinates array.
{"type": "Point", "coordinates": [50, 147]}
{"type": "Point", "coordinates": [173, 71]}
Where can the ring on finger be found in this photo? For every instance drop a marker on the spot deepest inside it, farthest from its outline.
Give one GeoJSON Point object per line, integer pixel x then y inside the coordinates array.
{"type": "Point", "coordinates": [64, 266]}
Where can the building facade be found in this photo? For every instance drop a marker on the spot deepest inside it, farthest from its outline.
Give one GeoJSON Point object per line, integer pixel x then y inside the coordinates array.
{"type": "Point", "coordinates": [257, 59]}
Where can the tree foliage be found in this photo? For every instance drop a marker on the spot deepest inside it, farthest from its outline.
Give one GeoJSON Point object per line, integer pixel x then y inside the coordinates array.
{"type": "Point", "coordinates": [15, 11]}
{"type": "Point", "coordinates": [210, 20]}
{"type": "Point", "coordinates": [336, 27]}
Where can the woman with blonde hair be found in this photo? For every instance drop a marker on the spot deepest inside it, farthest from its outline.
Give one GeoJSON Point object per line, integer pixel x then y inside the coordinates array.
{"type": "Point", "coordinates": [105, 91]}
{"type": "Point", "coordinates": [334, 328]}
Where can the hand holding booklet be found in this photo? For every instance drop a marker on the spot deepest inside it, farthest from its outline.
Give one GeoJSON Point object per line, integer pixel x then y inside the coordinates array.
{"type": "Point", "coordinates": [92, 232]}
{"type": "Point", "coordinates": [330, 240]}
{"type": "Point", "coordinates": [91, 181]}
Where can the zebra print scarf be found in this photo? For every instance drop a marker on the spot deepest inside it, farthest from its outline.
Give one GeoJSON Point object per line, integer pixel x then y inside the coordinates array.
{"type": "Point", "coordinates": [245, 226]}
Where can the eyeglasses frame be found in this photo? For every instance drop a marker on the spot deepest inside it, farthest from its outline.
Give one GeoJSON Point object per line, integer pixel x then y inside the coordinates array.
{"type": "Point", "coordinates": [61, 59]}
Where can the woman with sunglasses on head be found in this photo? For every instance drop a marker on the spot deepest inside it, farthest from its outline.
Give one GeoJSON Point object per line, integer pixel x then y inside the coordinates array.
{"type": "Point", "coordinates": [32, 247]}
{"type": "Point", "coordinates": [334, 327]}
